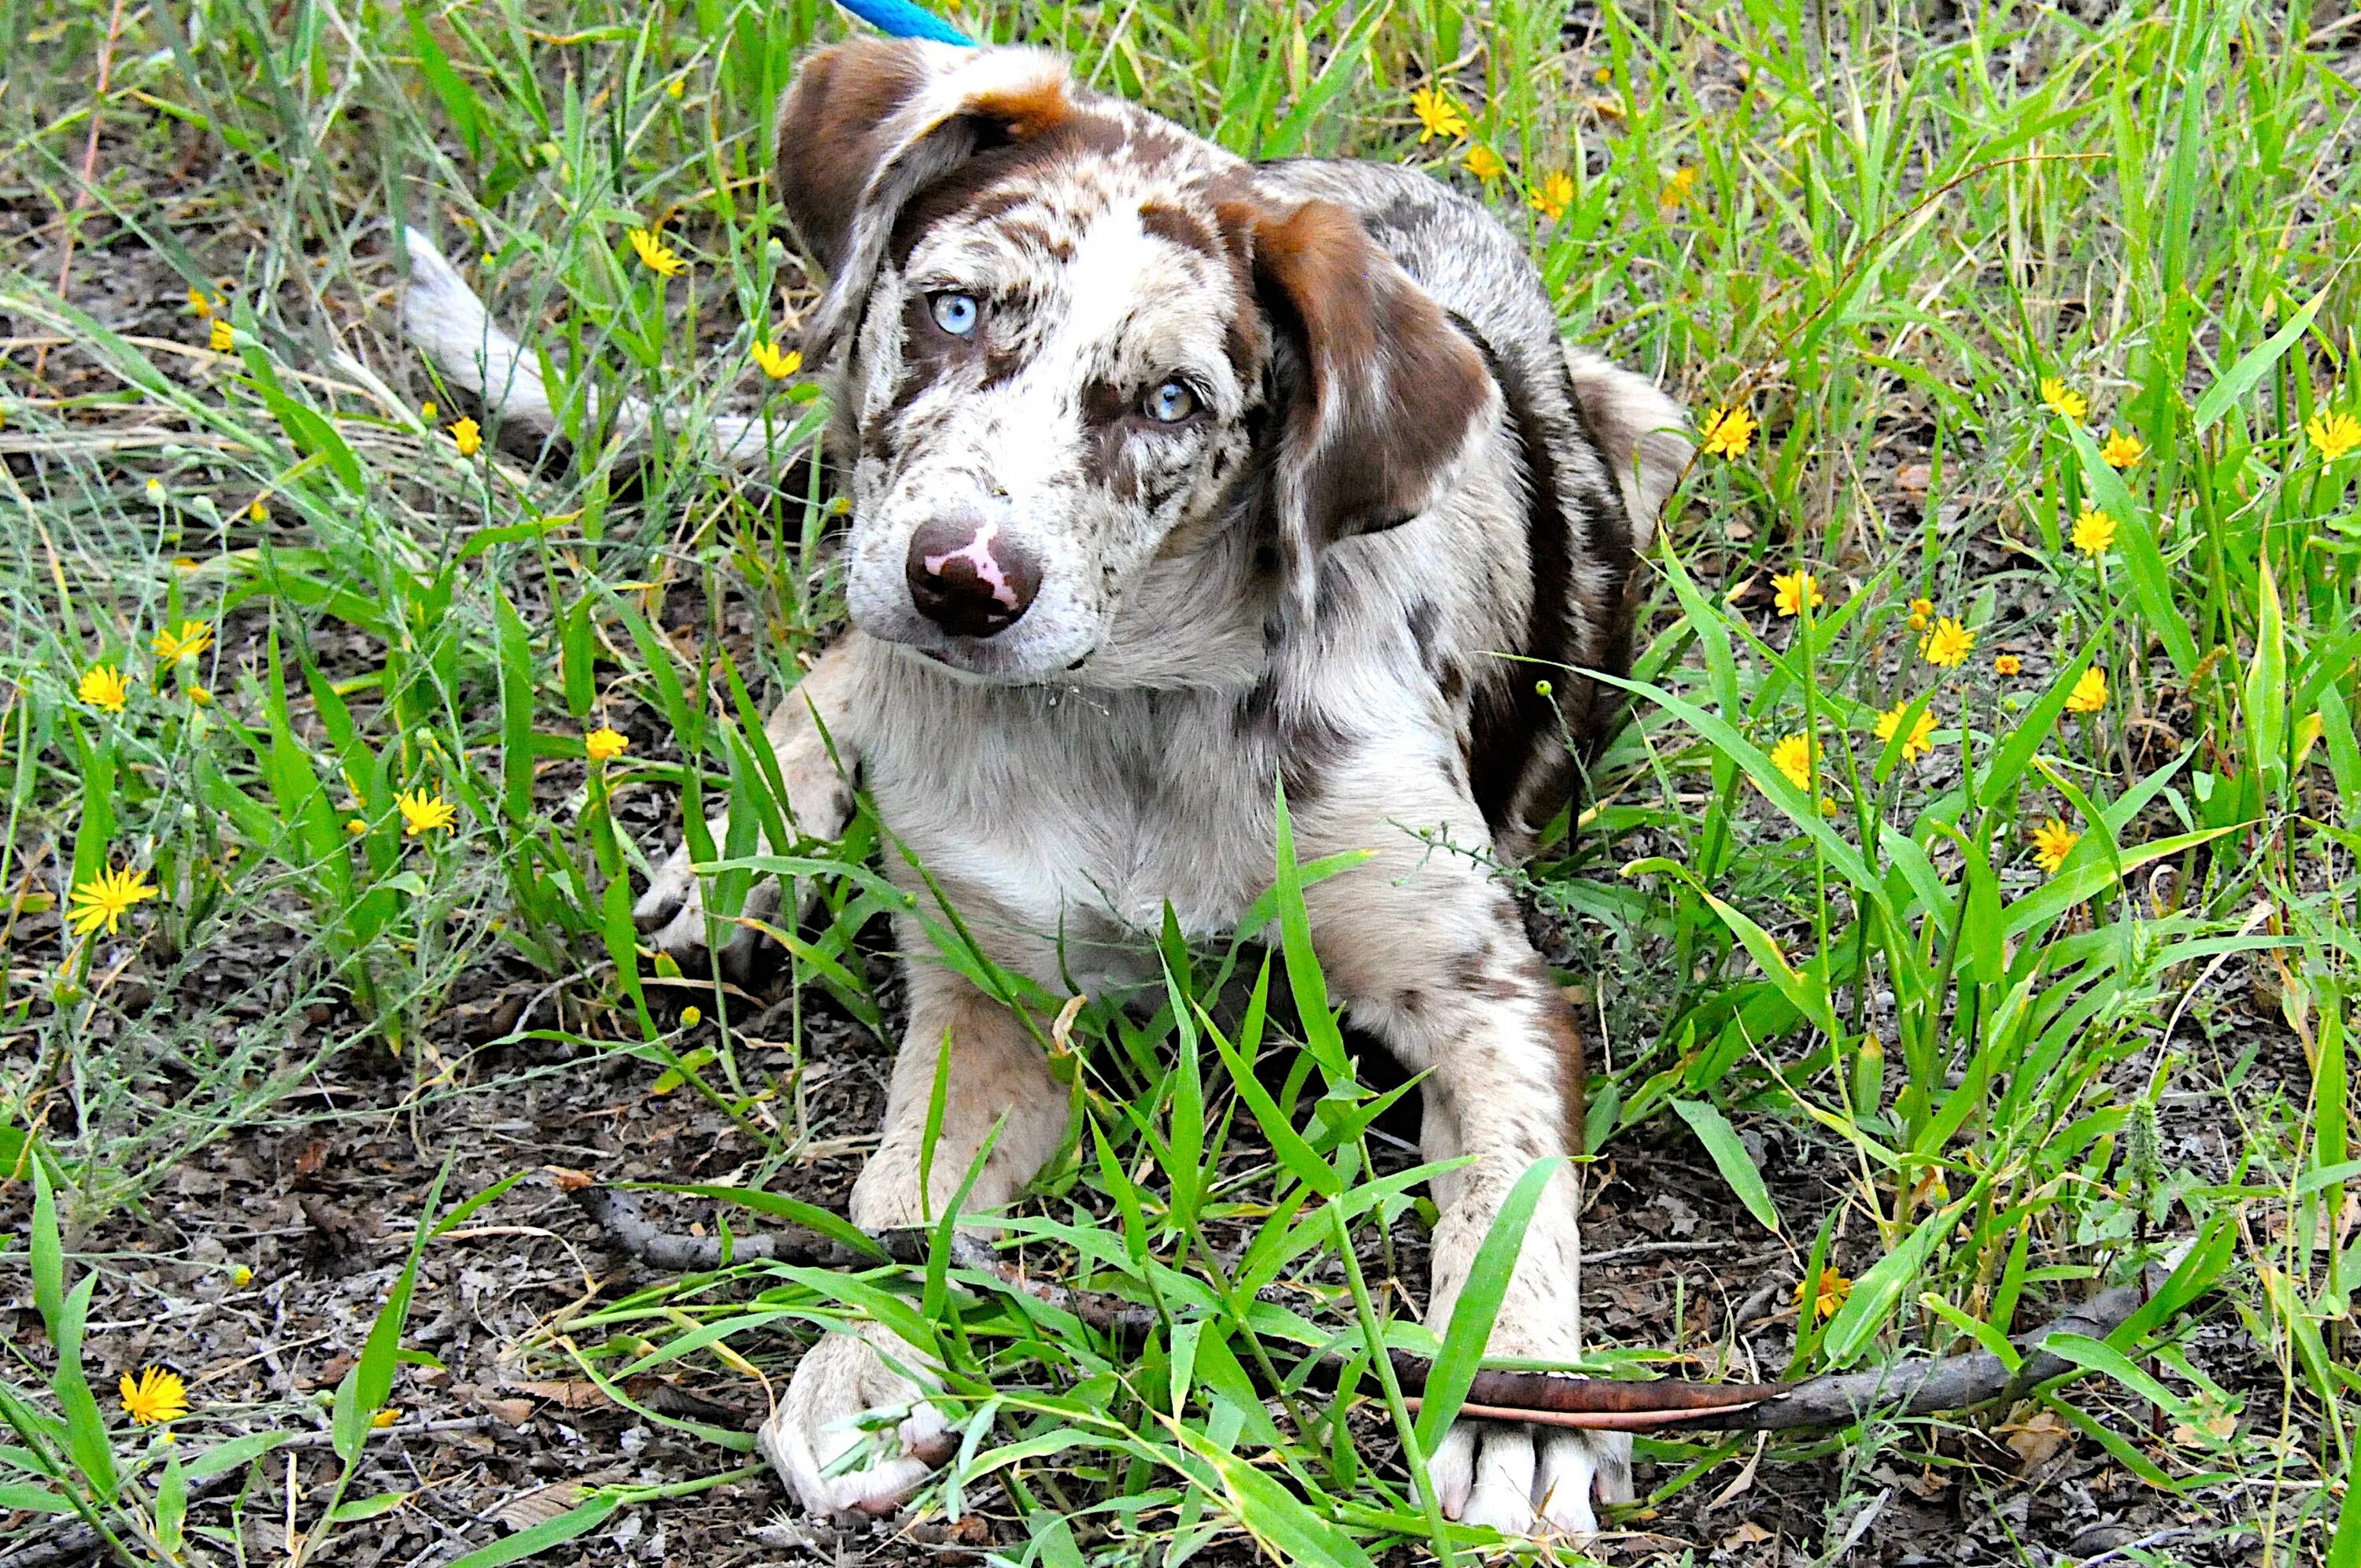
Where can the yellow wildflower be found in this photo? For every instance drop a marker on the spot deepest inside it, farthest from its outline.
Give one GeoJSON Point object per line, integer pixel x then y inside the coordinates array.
{"type": "Point", "coordinates": [2063, 401]}
{"type": "Point", "coordinates": [104, 688]}
{"type": "Point", "coordinates": [1437, 116]}
{"type": "Point", "coordinates": [427, 411]}
{"type": "Point", "coordinates": [201, 697]}
{"type": "Point", "coordinates": [2052, 842]}
{"type": "Point", "coordinates": [690, 1017]}
{"type": "Point", "coordinates": [676, 86]}
{"type": "Point", "coordinates": [2090, 693]}
{"type": "Point", "coordinates": [192, 639]}
{"type": "Point", "coordinates": [224, 336]}
{"type": "Point", "coordinates": [1795, 587]}
{"type": "Point", "coordinates": [1553, 196]}
{"type": "Point", "coordinates": [155, 491]}
{"type": "Point", "coordinates": [2007, 665]}
{"type": "Point", "coordinates": [241, 1276]}
{"type": "Point", "coordinates": [1794, 756]}
{"type": "Point", "coordinates": [1948, 644]}
{"type": "Point", "coordinates": [776, 363]}
{"type": "Point", "coordinates": [655, 255]}
{"type": "Point", "coordinates": [1824, 1300]}
{"type": "Point", "coordinates": [1922, 614]}
{"type": "Point", "coordinates": [1921, 739]}
{"type": "Point", "coordinates": [2094, 531]}
{"type": "Point", "coordinates": [200, 306]}
{"type": "Point", "coordinates": [2121, 451]}
{"type": "Point", "coordinates": [2332, 434]}
{"type": "Point", "coordinates": [385, 1418]}
{"type": "Point", "coordinates": [355, 826]}
{"type": "Point", "coordinates": [604, 744]}
{"type": "Point", "coordinates": [1677, 188]}
{"type": "Point", "coordinates": [258, 512]}
{"type": "Point", "coordinates": [423, 813]}
{"type": "Point", "coordinates": [105, 899]}
{"type": "Point", "coordinates": [469, 435]}
{"type": "Point", "coordinates": [156, 1397]}
{"type": "Point", "coordinates": [1728, 432]}
{"type": "Point", "coordinates": [1485, 164]}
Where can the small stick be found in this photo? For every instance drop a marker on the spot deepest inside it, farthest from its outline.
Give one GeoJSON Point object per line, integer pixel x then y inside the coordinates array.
{"type": "Point", "coordinates": [1915, 1387]}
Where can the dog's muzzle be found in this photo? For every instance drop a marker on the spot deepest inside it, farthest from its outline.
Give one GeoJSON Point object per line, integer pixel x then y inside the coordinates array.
{"type": "Point", "coordinates": [970, 576]}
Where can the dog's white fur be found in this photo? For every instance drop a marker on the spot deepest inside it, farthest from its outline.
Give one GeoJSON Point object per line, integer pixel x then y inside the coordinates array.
{"type": "Point", "coordinates": [1397, 475]}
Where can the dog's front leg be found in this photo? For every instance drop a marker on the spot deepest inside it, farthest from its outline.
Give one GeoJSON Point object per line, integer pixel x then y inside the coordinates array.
{"type": "Point", "coordinates": [1431, 955]}
{"type": "Point", "coordinates": [814, 735]}
{"type": "Point", "coordinates": [997, 1079]}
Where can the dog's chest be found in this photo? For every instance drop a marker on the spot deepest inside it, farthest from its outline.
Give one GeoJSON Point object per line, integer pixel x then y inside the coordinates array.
{"type": "Point", "coordinates": [1075, 816]}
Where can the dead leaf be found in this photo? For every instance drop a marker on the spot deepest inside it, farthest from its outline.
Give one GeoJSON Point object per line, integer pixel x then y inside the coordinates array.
{"type": "Point", "coordinates": [2215, 1429]}
{"type": "Point", "coordinates": [572, 1393]}
{"type": "Point", "coordinates": [570, 1179]}
{"type": "Point", "coordinates": [2036, 1440]}
{"type": "Point", "coordinates": [314, 1156]}
{"type": "Point", "coordinates": [1061, 1028]}
{"type": "Point", "coordinates": [1913, 478]}
{"type": "Point", "coordinates": [1748, 1534]}
{"type": "Point", "coordinates": [1927, 1485]}
{"type": "Point", "coordinates": [507, 1412]}
{"type": "Point", "coordinates": [541, 1505]}
{"type": "Point", "coordinates": [1745, 1477]}
{"type": "Point", "coordinates": [331, 1375]}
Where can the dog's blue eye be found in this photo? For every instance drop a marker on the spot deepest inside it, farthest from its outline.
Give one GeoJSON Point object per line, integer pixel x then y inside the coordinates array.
{"type": "Point", "coordinates": [955, 314]}
{"type": "Point", "coordinates": [1172, 402]}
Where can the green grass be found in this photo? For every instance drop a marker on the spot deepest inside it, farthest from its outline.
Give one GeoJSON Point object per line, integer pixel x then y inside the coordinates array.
{"type": "Point", "coordinates": [1874, 235]}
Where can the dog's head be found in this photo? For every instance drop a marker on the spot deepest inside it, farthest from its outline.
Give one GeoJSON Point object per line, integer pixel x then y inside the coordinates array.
{"type": "Point", "coordinates": [1077, 339]}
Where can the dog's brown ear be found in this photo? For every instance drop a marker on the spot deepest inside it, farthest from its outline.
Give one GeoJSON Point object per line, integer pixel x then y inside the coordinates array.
{"type": "Point", "coordinates": [868, 123]}
{"type": "Point", "coordinates": [1378, 390]}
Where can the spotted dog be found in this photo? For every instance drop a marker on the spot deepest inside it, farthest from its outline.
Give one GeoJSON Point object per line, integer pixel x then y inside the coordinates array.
{"type": "Point", "coordinates": [1173, 476]}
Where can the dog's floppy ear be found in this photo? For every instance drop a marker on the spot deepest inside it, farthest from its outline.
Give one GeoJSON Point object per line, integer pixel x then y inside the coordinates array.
{"type": "Point", "coordinates": [868, 123]}
{"type": "Point", "coordinates": [1377, 390]}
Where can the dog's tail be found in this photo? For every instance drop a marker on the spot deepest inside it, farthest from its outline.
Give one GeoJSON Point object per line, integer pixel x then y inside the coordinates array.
{"type": "Point", "coordinates": [443, 316]}
{"type": "Point", "coordinates": [1644, 433]}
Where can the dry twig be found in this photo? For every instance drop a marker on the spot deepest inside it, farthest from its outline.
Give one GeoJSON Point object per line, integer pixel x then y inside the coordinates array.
{"type": "Point", "coordinates": [1911, 1387]}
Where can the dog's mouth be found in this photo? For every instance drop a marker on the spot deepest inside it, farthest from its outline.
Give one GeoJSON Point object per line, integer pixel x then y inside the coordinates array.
{"type": "Point", "coordinates": [988, 661]}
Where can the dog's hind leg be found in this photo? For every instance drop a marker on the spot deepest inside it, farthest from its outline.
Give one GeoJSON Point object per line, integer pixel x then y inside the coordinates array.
{"type": "Point", "coordinates": [814, 734]}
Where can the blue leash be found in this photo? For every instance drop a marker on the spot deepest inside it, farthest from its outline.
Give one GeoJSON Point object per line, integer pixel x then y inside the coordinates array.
{"type": "Point", "coordinates": [902, 19]}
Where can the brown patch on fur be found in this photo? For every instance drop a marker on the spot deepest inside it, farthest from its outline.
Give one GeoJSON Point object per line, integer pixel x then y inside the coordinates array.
{"type": "Point", "coordinates": [837, 125]}
{"type": "Point", "coordinates": [1025, 112]}
{"type": "Point", "coordinates": [1182, 229]}
{"type": "Point", "coordinates": [830, 136]}
{"type": "Point", "coordinates": [1393, 389]}
{"type": "Point", "coordinates": [1573, 1073]}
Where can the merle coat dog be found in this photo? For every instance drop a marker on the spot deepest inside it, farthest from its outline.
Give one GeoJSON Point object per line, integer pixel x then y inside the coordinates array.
{"type": "Point", "coordinates": [1174, 477]}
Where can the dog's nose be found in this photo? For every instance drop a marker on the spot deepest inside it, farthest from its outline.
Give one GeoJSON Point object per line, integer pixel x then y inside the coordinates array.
{"type": "Point", "coordinates": [969, 577]}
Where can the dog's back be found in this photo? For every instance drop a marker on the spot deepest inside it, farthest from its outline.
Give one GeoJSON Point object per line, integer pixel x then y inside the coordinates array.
{"type": "Point", "coordinates": [1596, 449]}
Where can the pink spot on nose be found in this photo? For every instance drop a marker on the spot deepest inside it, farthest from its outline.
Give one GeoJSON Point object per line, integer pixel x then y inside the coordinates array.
{"type": "Point", "coordinates": [977, 553]}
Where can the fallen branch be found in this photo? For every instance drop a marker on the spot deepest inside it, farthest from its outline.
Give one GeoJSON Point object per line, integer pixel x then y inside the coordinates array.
{"type": "Point", "coordinates": [1917, 1388]}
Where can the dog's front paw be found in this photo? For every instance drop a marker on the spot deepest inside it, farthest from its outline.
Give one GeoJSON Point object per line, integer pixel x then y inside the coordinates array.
{"type": "Point", "coordinates": [672, 911]}
{"type": "Point", "coordinates": [1523, 1479]}
{"type": "Point", "coordinates": [818, 1422]}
